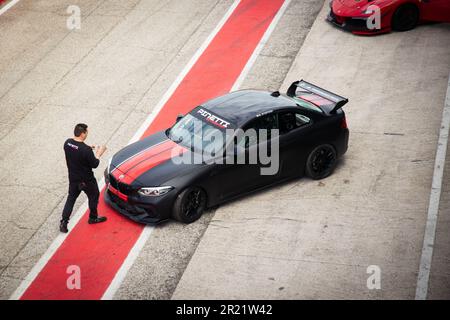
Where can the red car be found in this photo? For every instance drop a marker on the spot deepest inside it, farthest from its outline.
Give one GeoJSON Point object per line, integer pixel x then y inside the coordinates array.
{"type": "Point", "coordinates": [359, 16]}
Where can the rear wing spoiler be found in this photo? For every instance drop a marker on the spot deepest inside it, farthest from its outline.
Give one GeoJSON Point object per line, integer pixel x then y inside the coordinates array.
{"type": "Point", "coordinates": [331, 101]}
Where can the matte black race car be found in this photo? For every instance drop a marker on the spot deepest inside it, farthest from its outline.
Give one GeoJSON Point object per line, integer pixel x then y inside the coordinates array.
{"type": "Point", "coordinates": [166, 175]}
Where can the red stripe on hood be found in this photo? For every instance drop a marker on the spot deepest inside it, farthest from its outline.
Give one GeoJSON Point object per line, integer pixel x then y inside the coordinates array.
{"type": "Point", "coordinates": [143, 155]}
{"type": "Point", "coordinates": [149, 159]}
{"type": "Point", "coordinates": [100, 251]}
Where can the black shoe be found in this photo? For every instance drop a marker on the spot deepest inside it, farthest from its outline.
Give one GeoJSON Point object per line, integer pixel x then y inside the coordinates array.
{"type": "Point", "coordinates": [63, 227]}
{"type": "Point", "coordinates": [96, 220]}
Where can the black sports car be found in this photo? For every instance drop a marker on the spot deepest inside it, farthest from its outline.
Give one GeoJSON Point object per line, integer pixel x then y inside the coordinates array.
{"type": "Point", "coordinates": [166, 175]}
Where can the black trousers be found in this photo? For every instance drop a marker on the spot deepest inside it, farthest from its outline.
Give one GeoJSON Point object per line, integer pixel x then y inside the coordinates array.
{"type": "Point", "coordinates": [75, 188]}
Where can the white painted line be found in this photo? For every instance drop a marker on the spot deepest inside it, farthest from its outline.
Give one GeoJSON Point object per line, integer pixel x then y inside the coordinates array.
{"type": "Point", "coordinates": [134, 253]}
{"type": "Point", "coordinates": [184, 72]}
{"type": "Point", "coordinates": [260, 46]}
{"type": "Point", "coordinates": [51, 250]}
{"type": "Point", "coordinates": [433, 206]}
{"type": "Point", "coordinates": [126, 265]}
{"type": "Point", "coordinates": [8, 6]}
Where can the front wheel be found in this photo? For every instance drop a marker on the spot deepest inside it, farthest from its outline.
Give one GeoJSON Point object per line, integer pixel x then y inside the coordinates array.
{"type": "Point", "coordinates": [321, 162]}
{"type": "Point", "coordinates": [405, 18]}
{"type": "Point", "coordinates": [189, 205]}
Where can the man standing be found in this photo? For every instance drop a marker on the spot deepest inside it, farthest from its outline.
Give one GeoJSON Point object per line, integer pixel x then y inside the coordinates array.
{"type": "Point", "coordinates": [81, 159]}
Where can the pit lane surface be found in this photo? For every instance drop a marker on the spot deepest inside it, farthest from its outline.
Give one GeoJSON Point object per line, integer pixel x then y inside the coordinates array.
{"type": "Point", "coordinates": [310, 239]}
{"type": "Point", "coordinates": [333, 244]}
{"type": "Point", "coordinates": [16, 270]}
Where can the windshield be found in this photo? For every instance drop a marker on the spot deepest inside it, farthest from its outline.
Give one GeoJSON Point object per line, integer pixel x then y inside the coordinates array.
{"type": "Point", "coordinates": [197, 135]}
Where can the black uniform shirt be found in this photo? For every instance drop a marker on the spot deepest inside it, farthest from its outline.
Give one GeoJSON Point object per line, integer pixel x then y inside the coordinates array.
{"type": "Point", "coordinates": [80, 160]}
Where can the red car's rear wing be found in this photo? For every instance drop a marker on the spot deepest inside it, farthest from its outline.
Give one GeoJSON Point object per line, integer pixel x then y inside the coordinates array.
{"type": "Point", "coordinates": [324, 99]}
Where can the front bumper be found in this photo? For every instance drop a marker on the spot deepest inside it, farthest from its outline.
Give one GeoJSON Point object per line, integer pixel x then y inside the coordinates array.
{"type": "Point", "coordinates": [356, 25]}
{"type": "Point", "coordinates": [146, 210]}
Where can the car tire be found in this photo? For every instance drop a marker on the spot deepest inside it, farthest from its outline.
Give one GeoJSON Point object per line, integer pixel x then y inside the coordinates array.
{"type": "Point", "coordinates": [321, 162]}
{"type": "Point", "coordinates": [189, 205]}
{"type": "Point", "coordinates": [405, 18]}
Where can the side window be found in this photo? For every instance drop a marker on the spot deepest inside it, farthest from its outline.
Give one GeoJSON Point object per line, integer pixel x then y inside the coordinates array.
{"type": "Point", "coordinates": [291, 120]}
{"type": "Point", "coordinates": [267, 122]}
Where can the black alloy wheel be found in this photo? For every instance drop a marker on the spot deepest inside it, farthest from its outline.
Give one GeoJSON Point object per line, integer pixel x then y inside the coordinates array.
{"type": "Point", "coordinates": [189, 205]}
{"type": "Point", "coordinates": [405, 18]}
{"type": "Point", "coordinates": [321, 162]}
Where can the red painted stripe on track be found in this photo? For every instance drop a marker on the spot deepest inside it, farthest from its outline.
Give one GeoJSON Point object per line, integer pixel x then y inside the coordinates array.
{"type": "Point", "coordinates": [222, 62]}
{"type": "Point", "coordinates": [99, 250]}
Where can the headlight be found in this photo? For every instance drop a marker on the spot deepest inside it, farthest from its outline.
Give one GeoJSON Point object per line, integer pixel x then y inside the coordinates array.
{"type": "Point", "coordinates": [154, 191]}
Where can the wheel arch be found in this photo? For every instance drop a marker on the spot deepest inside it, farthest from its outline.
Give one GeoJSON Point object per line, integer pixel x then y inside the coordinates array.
{"type": "Point", "coordinates": [411, 3]}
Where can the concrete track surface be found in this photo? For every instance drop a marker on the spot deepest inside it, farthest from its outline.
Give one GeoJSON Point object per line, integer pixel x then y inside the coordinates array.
{"type": "Point", "coordinates": [303, 239]}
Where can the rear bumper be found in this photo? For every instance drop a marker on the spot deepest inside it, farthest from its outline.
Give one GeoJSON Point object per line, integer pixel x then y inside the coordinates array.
{"type": "Point", "coordinates": [149, 211]}
{"type": "Point", "coordinates": [344, 146]}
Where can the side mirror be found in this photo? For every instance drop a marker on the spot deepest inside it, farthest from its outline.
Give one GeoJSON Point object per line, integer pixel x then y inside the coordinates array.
{"type": "Point", "coordinates": [179, 117]}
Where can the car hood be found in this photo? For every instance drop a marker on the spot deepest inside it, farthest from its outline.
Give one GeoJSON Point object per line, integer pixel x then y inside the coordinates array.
{"type": "Point", "coordinates": [362, 3]}
{"type": "Point", "coordinates": [149, 162]}
{"type": "Point", "coordinates": [356, 7]}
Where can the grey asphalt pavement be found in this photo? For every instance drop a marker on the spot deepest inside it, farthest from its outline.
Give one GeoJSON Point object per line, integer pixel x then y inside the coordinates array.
{"type": "Point", "coordinates": [302, 239]}
{"type": "Point", "coordinates": [318, 239]}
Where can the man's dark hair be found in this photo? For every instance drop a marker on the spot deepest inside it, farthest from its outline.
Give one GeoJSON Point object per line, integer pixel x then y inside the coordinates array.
{"type": "Point", "coordinates": [79, 129]}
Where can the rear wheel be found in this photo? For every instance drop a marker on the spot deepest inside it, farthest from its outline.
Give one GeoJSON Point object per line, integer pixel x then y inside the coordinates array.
{"type": "Point", "coordinates": [405, 18]}
{"type": "Point", "coordinates": [190, 204]}
{"type": "Point", "coordinates": [321, 162]}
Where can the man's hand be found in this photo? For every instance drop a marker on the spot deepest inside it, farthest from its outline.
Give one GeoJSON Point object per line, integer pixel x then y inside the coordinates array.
{"type": "Point", "coordinates": [99, 151]}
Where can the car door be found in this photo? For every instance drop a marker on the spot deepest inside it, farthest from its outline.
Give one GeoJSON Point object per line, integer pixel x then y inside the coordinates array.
{"type": "Point", "coordinates": [295, 141]}
{"type": "Point", "coordinates": [435, 10]}
{"type": "Point", "coordinates": [266, 149]}
{"type": "Point", "coordinates": [229, 179]}
{"type": "Point", "coordinates": [238, 178]}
